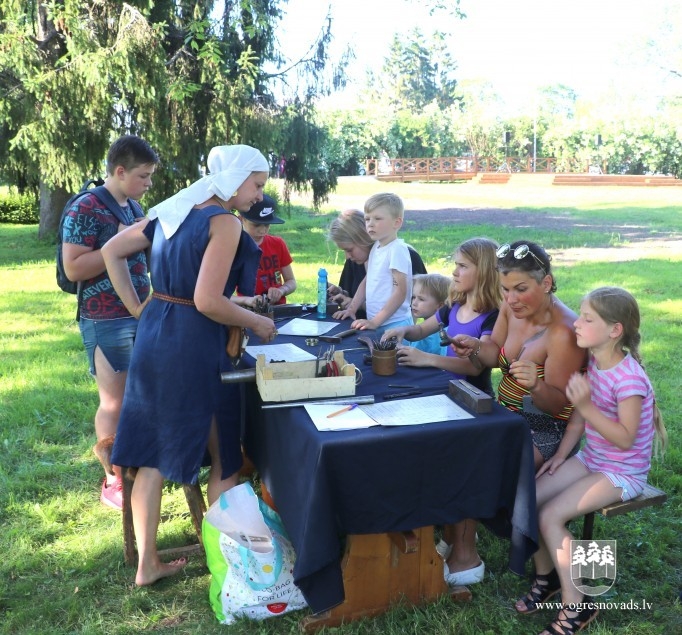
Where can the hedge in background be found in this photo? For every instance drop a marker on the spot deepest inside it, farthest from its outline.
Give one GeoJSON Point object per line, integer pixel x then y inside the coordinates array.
{"type": "Point", "coordinates": [21, 209]}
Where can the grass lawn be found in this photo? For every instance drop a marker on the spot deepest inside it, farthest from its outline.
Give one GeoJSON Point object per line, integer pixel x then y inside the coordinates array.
{"type": "Point", "coordinates": [62, 569]}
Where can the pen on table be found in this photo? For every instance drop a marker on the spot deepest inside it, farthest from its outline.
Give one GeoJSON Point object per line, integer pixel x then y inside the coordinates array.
{"type": "Point", "coordinates": [346, 409]}
{"type": "Point", "coordinates": [402, 386]}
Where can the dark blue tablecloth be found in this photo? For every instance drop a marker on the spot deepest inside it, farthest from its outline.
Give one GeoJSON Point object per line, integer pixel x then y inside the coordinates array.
{"type": "Point", "coordinates": [329, 484]}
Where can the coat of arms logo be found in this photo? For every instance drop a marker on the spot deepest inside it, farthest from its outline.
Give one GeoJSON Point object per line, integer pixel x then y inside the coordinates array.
{"type": "Point", "coordinates": [593, 565]}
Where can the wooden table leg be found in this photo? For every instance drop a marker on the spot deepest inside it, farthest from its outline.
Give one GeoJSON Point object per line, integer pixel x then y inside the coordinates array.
{"type": "Point", "coordinates": [129, 552]}
{"type": "Point", "coordinates": [382, 569]}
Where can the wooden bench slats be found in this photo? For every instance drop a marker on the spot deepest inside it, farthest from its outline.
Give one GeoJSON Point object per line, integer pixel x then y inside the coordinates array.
{"type": "Point", "coordinates": [616, 179]}
{"type": "Point", "coordinates": [650, 497]}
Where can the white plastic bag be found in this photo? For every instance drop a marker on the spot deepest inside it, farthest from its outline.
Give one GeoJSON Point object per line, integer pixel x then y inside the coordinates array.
{"type": "Point", "coordinates": [250, 558]}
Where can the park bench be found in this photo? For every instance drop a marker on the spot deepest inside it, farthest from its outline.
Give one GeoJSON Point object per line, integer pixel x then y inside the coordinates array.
{"type": "Point", "coordinates": [616, 179]}
{"type": "Point", "coordinates": [500, 178]}
{"type": "Point", "coordinates": [650, 497]}
{"type": "Point", "coordinates": [427, 176]}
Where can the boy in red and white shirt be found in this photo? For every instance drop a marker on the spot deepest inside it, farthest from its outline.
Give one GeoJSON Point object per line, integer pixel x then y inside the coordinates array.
{"type": "Point", "coordinates": [275, 277]}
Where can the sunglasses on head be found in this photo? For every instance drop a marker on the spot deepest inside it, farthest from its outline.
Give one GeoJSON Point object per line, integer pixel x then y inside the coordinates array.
{"type": "Point", "coordinates": [520, 253]}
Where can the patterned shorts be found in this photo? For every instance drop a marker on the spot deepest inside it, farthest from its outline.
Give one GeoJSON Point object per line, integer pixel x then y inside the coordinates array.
{"type": "Point", "coordinates": [547, 432]}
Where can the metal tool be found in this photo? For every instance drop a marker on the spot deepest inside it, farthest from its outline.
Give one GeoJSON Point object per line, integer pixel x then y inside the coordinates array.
{"type": "Point", "coordinates": [245, 375]}
{"type": "Point", "coordinates": [292, 310]}
{"type": "Point", "coordinates": [337, 337]}
{"type": "Point", "coordinates": [367, 341]}
{"type": "Point", "coordinates": [358, 399]}
{"type": "Point", "coordinates": [469, 388]}
{"type": "Point", "coordinates": [397, 395]}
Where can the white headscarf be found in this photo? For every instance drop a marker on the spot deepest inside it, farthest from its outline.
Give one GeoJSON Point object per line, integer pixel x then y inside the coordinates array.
{"type": "Point", "coordinates": [228, 166]}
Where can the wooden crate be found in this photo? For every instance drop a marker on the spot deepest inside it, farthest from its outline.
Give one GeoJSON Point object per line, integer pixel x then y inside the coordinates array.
{"type": "Point", "coordinates": [293, 381]}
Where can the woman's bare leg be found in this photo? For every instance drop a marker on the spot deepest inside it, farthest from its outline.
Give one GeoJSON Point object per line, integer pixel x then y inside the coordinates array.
{"type": "Point", "coordinates": [464, 555]}
{"type": "Point", "coordinates": [146, 506]}
{"type": "Point", "coordinates": [216, 485]}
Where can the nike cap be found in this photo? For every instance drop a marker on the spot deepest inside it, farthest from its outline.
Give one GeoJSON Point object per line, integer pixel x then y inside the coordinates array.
{"type": "Point", "coordinates": [263, 212]}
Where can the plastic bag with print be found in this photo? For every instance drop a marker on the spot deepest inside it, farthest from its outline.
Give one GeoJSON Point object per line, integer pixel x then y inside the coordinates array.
{"type": "Point", "coordinates": [250, 558]}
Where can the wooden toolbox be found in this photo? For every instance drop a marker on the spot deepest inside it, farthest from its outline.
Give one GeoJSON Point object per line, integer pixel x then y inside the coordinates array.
{"type": "Point", "coordinates": [293, 381]}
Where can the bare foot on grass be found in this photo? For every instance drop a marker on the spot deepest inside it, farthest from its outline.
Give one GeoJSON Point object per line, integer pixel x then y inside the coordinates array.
{"type": "Point", "coordinates": [150, 575]}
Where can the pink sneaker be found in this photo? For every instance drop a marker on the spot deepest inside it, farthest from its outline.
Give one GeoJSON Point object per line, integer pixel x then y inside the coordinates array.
{"type": "Point", "coordinates": [112, 495]}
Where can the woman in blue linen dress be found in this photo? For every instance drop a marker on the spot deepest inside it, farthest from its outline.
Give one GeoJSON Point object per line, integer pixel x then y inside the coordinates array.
{"type": "Point", "coordinates": [175, 408]}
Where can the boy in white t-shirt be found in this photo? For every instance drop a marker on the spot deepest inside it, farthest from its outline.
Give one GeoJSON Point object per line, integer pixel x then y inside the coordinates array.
{"type": "Point", "coordinates": [387, 288]}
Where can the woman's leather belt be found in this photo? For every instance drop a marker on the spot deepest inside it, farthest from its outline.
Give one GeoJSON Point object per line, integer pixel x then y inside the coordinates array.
{"type": "Point", "coordinates": [173, 299]}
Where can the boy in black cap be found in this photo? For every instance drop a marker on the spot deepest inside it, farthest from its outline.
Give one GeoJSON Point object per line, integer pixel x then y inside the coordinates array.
{"type": "Point", "coordinates": [275, 277]}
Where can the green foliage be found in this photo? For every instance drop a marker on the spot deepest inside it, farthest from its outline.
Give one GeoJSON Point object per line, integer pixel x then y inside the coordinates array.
{"type": "Point", "coordinates": [184, 75]}
{"type": "Point", "coordinates": [353, 135]}
{"type": "Point", "coordinates": [417, 72]}
{"type": "Point", "coordinates": [423, 134]}
{"type": "Point", "coordinates": [21, 209]}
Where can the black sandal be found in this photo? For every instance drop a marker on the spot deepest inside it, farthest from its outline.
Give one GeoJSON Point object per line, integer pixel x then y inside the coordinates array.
{"type": "Point", "coordinates": [544, 587]}
{"type": "Point", "coordinates": [570, 625]}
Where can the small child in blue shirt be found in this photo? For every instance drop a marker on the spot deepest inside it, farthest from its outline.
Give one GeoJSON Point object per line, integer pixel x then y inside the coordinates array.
{"type": "Point", "coordinates": [429, 294]}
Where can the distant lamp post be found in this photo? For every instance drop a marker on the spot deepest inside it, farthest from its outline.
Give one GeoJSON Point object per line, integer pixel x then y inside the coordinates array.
{"type": "Point", "coordinates": [535, 139]}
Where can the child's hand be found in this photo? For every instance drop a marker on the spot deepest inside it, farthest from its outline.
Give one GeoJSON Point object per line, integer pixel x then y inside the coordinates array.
{"type": "Point", "coordinates": [138, 312]}
{"type": "Point", "coordinates": [464, 345]}
{"type": "Point", "coordinates": [550, 466]}
{"type": "Point", "coordinates": [363, 325]}
{"type": "Point", "coordinates": [578, 390]}
{"type": "Point", "coordinates": [333, 290]}
{"type": "Point", "coordinates": [398, 332]}
{"type": "Point", "coordinates": [250, 301]}
{"type": "Point", "coordinates": [342, 300]}
{"type": "Point", "coordinates": [275, 294]}
{"type": "Point", "coordinates": [344, 314]}
{"type": "Point", "coordinates": [410, 356]}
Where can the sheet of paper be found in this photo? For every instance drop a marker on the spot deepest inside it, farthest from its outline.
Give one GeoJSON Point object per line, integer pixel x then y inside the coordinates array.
{"type": "Point", "coordinates": [349, 420]}
{"type": "Point", "coordinates": [416, 411]}
{"type": "Point", "coordinates": [306, 328]}
{"type": "Point", "coordinates": [279, 352]}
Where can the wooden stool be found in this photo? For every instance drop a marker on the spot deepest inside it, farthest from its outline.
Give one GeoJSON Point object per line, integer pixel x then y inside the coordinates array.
{"type": "Point", "coordinates": [197, 509]}
{"type": "Point", "coordinates": [650, 497]}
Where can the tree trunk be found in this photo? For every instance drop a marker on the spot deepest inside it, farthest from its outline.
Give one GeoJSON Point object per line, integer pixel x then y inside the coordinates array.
{"type": "Point", "coordinates": [52, 203]}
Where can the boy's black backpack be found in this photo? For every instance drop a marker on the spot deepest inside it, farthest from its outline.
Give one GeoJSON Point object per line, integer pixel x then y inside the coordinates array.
{"type": "Point", "coordinates": [105, 197]}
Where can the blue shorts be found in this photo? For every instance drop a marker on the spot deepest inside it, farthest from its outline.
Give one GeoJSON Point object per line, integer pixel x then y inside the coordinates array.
{"type": "Point", "coordinates": [115, 338]}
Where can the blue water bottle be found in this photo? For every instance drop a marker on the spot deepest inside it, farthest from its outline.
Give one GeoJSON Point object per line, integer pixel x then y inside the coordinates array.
{"type": "Point", "coordinates": [322, 294]}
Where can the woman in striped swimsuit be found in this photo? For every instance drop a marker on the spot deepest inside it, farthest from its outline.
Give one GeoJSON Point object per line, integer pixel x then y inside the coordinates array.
{"type": "Point", "coordinates": [534, 344]}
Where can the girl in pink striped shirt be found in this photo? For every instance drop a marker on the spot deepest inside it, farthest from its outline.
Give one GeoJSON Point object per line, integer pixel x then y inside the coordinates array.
{"type": "Point", "coordinates": [615, 407]}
